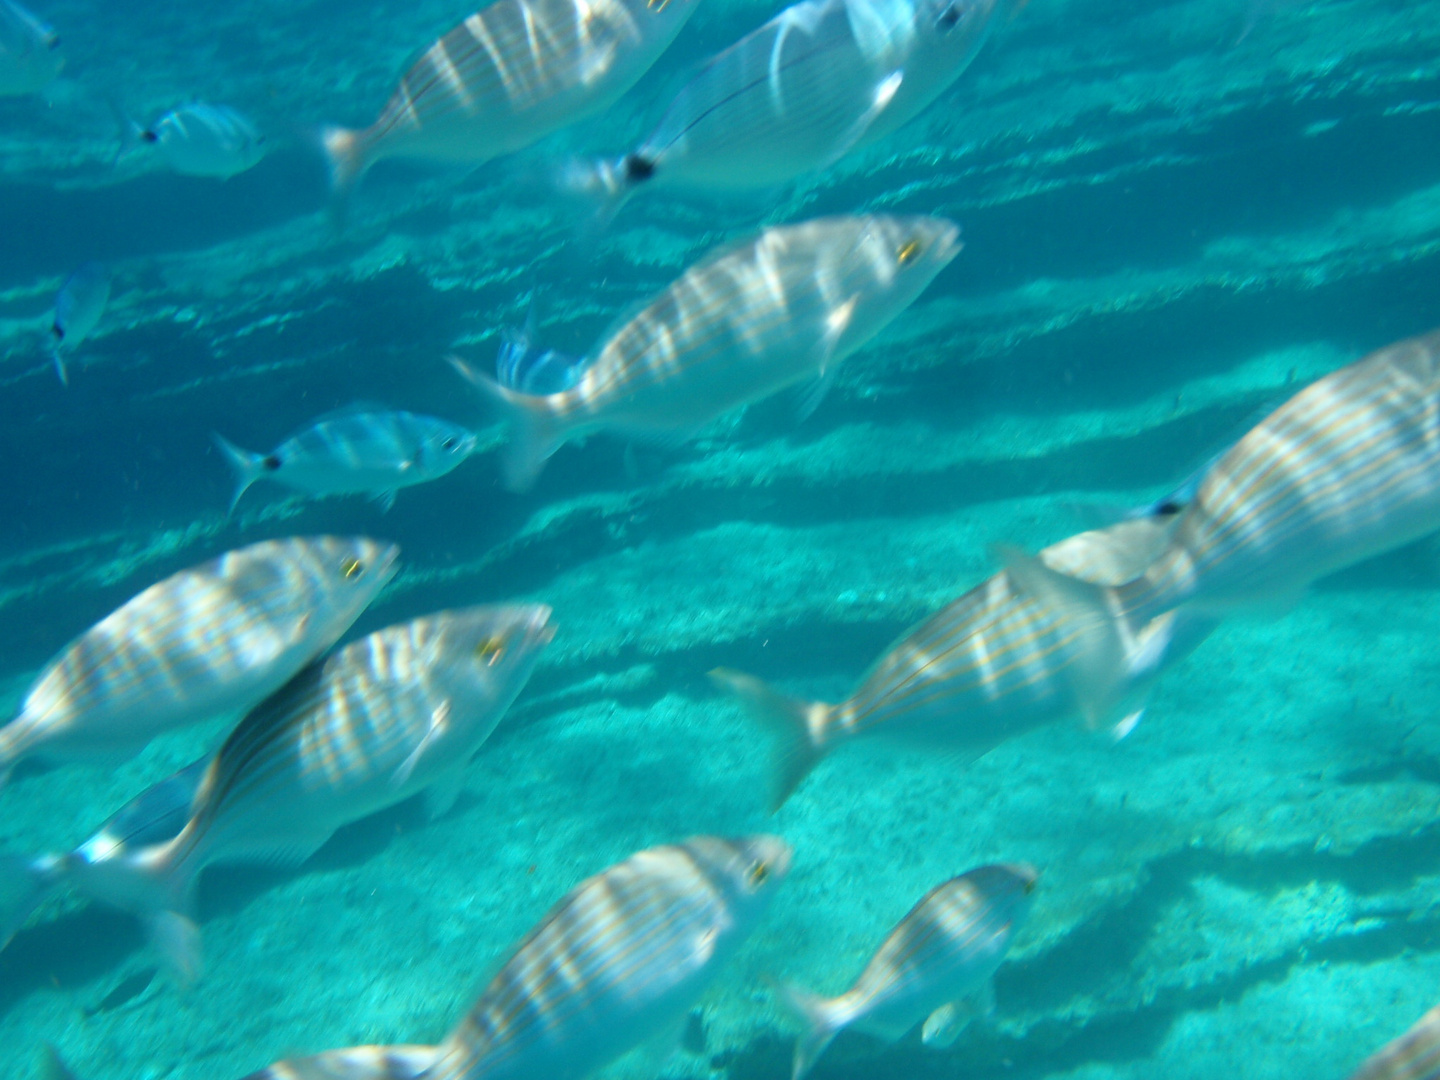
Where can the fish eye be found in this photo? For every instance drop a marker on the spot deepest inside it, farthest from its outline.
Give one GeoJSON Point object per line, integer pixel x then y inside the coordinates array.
{"type": "Point", "coordinates": [449, 442]}
{"type": "Point", "coordinates": [948, 18]}
{"type": "Point", "coordinates": [490, 650]}
{"type": "Point", "coordinates": [758, 872]}
{"type": "Point", "coordinates": [352, 568]}
{"type": "Point", "coordinates": [909, 252]}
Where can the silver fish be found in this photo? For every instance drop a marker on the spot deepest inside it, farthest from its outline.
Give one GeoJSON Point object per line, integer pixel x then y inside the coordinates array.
{"type": "Point", "coordinates": [522, 365]}
{"type": "Point", "coordinates": [816, 81]}
{"type": "Point", "coordinates": [207, 641]}
{"type": "Point", "coordinates": [510, 74]}
{"type": "Point", "coordinates": [1413, 1056]}
{"type": "Point", "coordinates": [948, 945]}
{"type": "Point", "coordinates": [987, 667]}
{"type": "Point", "coordinates": [29, 52]}
{"type": "Point", "coordinates": [1347, 468]}
{"type": "Point", "coordinates": [619, 960]}
{"type": "Point", "coordinates": [370, 452]}
{"type": "Point", "coordinates": [78, 307]}
{"type": "Point", "coordinates": [749, 320]}
{"type": "Point", "coordinates": [201, 139]}
{"type": "Point", "coordinates": [390, 715]}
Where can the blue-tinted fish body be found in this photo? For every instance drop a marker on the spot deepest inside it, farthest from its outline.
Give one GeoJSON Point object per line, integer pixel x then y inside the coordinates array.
{"type": "Point", "coordinates": [1413, 1056]}
{"type": "Point", "coordinates": [621, 959]}
{"type": "Point", "coordinates": [397, 712]}
{"type": "Point", "coordinates": [819, 79]}
{"type": "Point", "coordinates": [201, 139]}
{"type": "Point", "coordinates": [356, 452]}
{"type": "Point", "coordinates": [208, 641]}
{"type": "Point", "coordinates": [78, 307]}
{"type": "Point", "coordinates": [528, 368]}
{"type": "Point", "coordinates": [510, 74]}
{"type": "Point", "coordinates": [947, 946]}
{"type": "Point", "coordinates": [29, 51]}
{"type": "Point", "coordinates": [987, 667]}
{"type": "Point", "coordinates": [779, 309]}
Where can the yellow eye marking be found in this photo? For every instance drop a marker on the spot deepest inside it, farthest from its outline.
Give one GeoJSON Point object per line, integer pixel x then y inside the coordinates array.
{"type": "Point", "coordinates": [759, 871]}
{"type": "Point", "coordinates": [490, 650]}
{"type": "Point", "coordinates": [909, 252]}
{"type": "Point", "coordinates": [352, 568]}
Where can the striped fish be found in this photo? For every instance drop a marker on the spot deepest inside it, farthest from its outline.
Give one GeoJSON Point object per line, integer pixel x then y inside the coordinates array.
{"type": "Point", "coordinates": [510, 74]}
{"type": "Point", "coordinates": [949, 945]}
{"type": "Point", "coordinates": [990, 665]}
{"type": "Point", "coordinates": [749, 320]}
{"type": "Point", "coordinates": [1347, 468]}
{"type": "Point", "coordinates": [200, 139]}
{"type": "Point", "coordinates": [395, 713]}
{"type": "Point", "coordinates": [207, 641]}
{"type": "Point", "coordinates": [619, 960]}
{"type": "Point", "coordinates": [795, 95]}
{"type": "Point", "coordinates": [1413, 1056]}
{"type": "Point", "coordinates": [78, 307]}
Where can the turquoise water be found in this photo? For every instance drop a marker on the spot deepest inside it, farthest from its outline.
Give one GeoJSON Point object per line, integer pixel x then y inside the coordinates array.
{"type": "Point", "coordinates": [1174, 214]}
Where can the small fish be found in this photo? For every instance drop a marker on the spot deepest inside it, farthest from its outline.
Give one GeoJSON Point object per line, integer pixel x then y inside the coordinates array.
{"type": "Point", "coordinates": [747, 321]}
{"type": "Point", "coordinates": [390, 715]}
{"type": "Point", "coordinates": [951, 942]}
{"type": "Point", "coordinates": [29, 52]}
{"type": "Point", "coordinates": [1413, 1056]}
{"type": "Point", "coordinates": [200, 139]}
{"type": "Point", "coordinates": [207, 641]}
{"type": "Point", "coordinates": [1347, 468]}
{"type": "Point", "coordinates": [78, 307]}
{"type": "Point", "coordinates": [510, 74]}
{"type": "Point", "coordinates": [987, 667]}
{"type": "Point", "coordinates": [800, 92]}
{"type": "Point", "coordinates": [523, 366]}
{"type": "Point", "coordinates": [356, 451]}
{"type": "Point", "coordinates": [619, 960]}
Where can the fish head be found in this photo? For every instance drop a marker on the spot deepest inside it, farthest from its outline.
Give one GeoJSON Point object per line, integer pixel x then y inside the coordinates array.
{"type": "Point", "coordinates": [919, 247]}
{"type": "Point", "coordinates": [349, 571]}
{"type": "Point", "coordinates": [746, 868]}
{"type": "Point", "coordinates": [1007, 888]}
{"type": "Point", "coordinates": [445, 447]}
{"type": "Point", "coordinates": [489, 650]}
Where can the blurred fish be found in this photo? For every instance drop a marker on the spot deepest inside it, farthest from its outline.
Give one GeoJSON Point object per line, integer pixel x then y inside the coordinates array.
{"type": "Point", "coordinates": [509, 75]}
{"type": "Point", "coordinates": [618, 961]}
{"type": "Point", "coordinates": [210, 640]}
{"type": "Point", "coordinates": [392, 714]}
{"type": "Point", "coordinates": [749, 320]}
{"type": "Point", "coordinates": [200, 139]}
{"type": "Point", "coordinates": [1413, 1056]}
{"type": "Point", "coordinates": [987, 667]}
{"type": "Point", "coordinates": [951, 942]}
{"type": "Point", "coordinates": [819, 79]}
{"type": "Point", "coordinates": [78, 307]}
{"type": "Point", "coordinates": [526, 367]}
{"type": "Point", "coordinates": [1347, 468]}
{"type": "Point", "coordinates": [29, 56]}
{"type": "Point", "coordinates": [356, 451]}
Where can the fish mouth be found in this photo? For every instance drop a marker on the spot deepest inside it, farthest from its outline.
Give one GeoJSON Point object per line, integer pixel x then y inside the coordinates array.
{"type": "Point", "coordinates": [387, 562]}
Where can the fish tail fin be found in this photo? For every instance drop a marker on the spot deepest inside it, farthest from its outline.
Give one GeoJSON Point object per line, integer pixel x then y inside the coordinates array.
{"type": "Point", "coordinates": [606, 185]}
{"type": "Point", "coordinates": [24, 884]}
{"type": "Point", "coordinates": [824, 1019]}
{"type": "Point", "coordinates": [247, 467]}
{"type": "Point", "coordinates": [344, 150]}
{"type": "Point", "coordinates": [535, 430]}
{"type": "Point", "coordinates": [799, 724]}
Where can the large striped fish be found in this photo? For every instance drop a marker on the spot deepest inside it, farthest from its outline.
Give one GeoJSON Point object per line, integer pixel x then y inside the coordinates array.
{"type": "Point", "coordinates": [210, 640]}
{"type": "Point", "coordinates": [392, 714]}
{"type": "Point", "coordinates": [819, 79]}
{"type": "Point", "coordinates": [948, 946]}
{"type": "Point", "coordinates": [1413, 1056]}
{"type": "Point", "coordinates": [619, 960]}
{"type": "Point", "coordinates": [749, 320]}
{"type": "Point", "coordinates": [1347, 468]}
{"type": "Point", "coordinates": [509, 75]}
{"type": "Point", "coordinates": [990, 665]}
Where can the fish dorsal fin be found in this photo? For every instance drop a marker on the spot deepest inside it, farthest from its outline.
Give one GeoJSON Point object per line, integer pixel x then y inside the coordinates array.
{"type": "Point", "coordinates": [354, 408]}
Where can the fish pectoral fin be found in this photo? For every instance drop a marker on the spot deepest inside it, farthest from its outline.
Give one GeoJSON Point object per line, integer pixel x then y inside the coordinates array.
{"type": "Point", "coordinates": [880, 99]}
{"type": "Point", "coordinates": [439, 725]}
{"type": "Point", "coordinates": [386, 499]}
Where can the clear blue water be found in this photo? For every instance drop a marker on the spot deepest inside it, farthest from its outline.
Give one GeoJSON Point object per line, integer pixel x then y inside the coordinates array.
{"type": "Point", "coordinates": [1166, 229]}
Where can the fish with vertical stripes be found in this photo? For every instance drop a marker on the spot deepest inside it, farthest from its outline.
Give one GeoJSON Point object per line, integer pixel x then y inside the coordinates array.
{"type": "Point", "coordinates": [1413, 1056]}
{"type": "Point", "coordinates": [208, 641]}
{"type": "Point", "coordinates": [766, 313]}
{"type": "Point", "coordinates": [395, 713]}
{"type": "Point", "coordinates": [1347, 468]}
{"type": "Point", "coordinates": [987, 667]}
{"type": "Point", "coordinates": [948, 946]}
{"type": "Point", "coordinates": [618, 961]}
{"type": "Point", "coordinates": [510, 74]}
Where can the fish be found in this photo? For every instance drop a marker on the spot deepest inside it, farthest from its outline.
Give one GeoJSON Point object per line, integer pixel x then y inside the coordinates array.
{"type": "Point", "coordinates": [355, 451]}
{"type": "Point", "coordinates": [817, 81]}
{"type": "Point", "coordinates": [208, 641]}
{"type": "Point", "coordinates": [990, 665]}
{"type": "Point", "coordinates": [505, 77]}
{"type": "Point", "coordinates": [1345, 469]}
{"type": "Point", "coordinates": [30, 59]}
{"type": "Point", "coordinates": [522, 365]}
{"type": "Point", "coordinates": [200, 139]}
{"type": "Point", "coordinates": [751, 319]}
{"type": "Point", "coordinates": [390, 715]}
{"type": "Point", "coordinates": [948, 945]}
{"type": "Point", "coordinates": [619, 960]}
{"type": "Point", "coordinates": [78, 307]}
{"type": "Point", "coordinates": [1413, 1056]}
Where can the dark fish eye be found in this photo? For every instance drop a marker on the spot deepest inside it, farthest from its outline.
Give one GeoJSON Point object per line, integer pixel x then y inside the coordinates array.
{"type": "Point", "coordinates": [450, 442]}
{"type": "Point", "coordinates": [948, 18]}
{"type": "Point", "coordinates": [352, 568]}
{"type": "Point", "coordinates": [271, 463]}
{"type": "Point", "coordinates": [909, 252]}
{"type": "Point", "coordinates": [758, 872]}
{"type": "Point", "coordinates": [54, 42]}
{"type": "Point", "coordinates": [490, 650]}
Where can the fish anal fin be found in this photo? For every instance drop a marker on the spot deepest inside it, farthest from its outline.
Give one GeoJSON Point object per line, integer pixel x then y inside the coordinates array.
{"type": "Point", "coordinates": [441, 795]}
{"type": "Point", "coordinates": [385, 499]}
